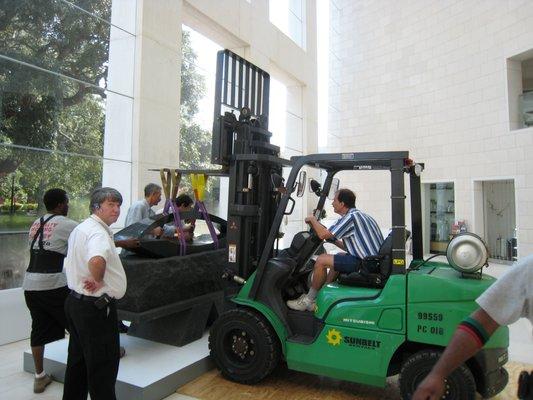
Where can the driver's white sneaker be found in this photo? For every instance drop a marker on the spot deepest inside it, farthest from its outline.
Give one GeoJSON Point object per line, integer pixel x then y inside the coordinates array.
{"type": "Point", "coordinates": [302, 303]}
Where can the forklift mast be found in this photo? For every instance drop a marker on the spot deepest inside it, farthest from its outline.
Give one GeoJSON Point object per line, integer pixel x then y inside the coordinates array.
{"type": "Point", "coordinates": [241, 145]}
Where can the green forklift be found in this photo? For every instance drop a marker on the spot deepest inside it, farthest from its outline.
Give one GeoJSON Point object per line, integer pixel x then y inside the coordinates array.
{"type": "Point", "coordinates": [388, 318]}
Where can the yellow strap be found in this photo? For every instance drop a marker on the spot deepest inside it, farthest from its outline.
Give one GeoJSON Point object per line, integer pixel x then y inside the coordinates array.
{"type": "Point", "coordinates": [176, 179]}
{"type": "Point", "coordinates": [198, 182]}
{"type": "Point", "coordinates": [165, 181]}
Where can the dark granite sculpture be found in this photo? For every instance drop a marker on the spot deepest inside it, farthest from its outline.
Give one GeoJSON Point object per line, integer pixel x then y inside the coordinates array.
{"type": "Point", "coordinates": [175, 288]}
{"type": "Point", "coordinates": [154, 283]}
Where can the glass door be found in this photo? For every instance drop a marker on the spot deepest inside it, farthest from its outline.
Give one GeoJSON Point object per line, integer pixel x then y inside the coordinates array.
{"type": "Point", "coordinates": [441, 215]}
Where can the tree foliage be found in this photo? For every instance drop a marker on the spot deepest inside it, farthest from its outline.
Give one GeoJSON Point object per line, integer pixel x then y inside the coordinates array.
{"type": "Point", "coordinates": [63, 119]}
{"type": "Point", "coordinates": [45, 110]}
{"type": "Point", "coordinates": [195, 142]}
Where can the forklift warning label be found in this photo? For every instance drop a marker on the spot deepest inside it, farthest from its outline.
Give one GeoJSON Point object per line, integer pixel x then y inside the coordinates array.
{"type": "Point", "coordinates": [232, 253]}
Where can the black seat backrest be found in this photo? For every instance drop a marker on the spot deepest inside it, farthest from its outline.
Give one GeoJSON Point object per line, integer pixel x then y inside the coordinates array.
{"type": "Point", "coordinates": [385, 251]}
{"type": "Point", "coordinates": [386, 246]}
{"type": "Point", "coordinates": [374, 270]}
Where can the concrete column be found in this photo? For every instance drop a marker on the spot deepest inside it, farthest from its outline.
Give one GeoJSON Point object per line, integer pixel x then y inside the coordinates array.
{"type": "Point", "coordinates": [156, 106]}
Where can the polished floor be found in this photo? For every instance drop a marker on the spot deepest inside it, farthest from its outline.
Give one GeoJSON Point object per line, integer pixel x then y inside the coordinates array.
{"type": "Point", "coordinates": [290, 385]}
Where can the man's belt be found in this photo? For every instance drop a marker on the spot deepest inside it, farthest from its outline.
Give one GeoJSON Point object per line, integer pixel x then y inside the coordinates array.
{"type": "Point", "coordinates": [100, 302]}
{"type": "Point", "coordinates": [83, 296]}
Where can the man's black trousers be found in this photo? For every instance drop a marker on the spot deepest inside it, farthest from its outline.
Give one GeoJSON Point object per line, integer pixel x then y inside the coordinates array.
{"type": "Point", "coordinates": [93, 350]}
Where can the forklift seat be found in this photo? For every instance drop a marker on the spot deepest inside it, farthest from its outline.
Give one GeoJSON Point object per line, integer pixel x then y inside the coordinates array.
{"type": "Point", "coordinates": [374, 270]}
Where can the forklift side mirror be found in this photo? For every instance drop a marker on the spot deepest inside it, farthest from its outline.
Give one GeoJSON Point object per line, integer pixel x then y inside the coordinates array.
{"type": "Point", "coordinates": [315, 187]}
{"type": "Point", "coordinates": [302, 179]}
{"type": "Point", "coordinates": [334, 188]}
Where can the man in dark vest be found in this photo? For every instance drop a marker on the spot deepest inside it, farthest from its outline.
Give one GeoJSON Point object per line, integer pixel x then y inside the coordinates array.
{"type": "Point", "coordinates": [45, 284]}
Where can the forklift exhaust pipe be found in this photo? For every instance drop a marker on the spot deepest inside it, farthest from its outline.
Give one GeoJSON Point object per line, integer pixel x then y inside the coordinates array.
{"type": "Point", "coordinates": [231, 276]}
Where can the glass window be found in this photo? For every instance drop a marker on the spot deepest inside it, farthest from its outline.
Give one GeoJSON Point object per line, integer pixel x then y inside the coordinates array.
{"type": "Point", "coordinates": [526, 98]}
{"type": "Point", "coordinates": [62, 67]}
{"type": "Point", "coordinates": [21, 193]}
{"type": "Point", "coordinates": [44, 110]}
{"type": "Point", "coordinates": [58, 37]}
{"type": "Point", "coordinates": [198, 74]}
{"type": "Point", "coordinates": [520, 88]}
{"type": "Point", "coordinates": [440, 202]}
{"type": "Point", "coordinates": [289, 17]}
{"type": "Point", "coordinates": [98, 8]}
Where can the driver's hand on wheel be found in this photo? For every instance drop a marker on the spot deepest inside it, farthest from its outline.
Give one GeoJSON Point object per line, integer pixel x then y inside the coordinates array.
{"type": "Point", "coordinates": [431, 388]}
{"type": "Point", "coordinates": [310, 219]}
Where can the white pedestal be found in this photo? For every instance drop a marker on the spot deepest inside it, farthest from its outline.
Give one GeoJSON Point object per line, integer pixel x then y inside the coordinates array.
{"type": "Point", "coordinates": [149, 371]}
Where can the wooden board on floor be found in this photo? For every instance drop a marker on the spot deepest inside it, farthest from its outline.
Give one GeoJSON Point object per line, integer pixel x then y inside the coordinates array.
{"type": "Point", "coordinates": [285, 384]}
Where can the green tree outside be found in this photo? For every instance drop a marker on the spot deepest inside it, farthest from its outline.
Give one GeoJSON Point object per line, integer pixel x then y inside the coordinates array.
{"type": "Point", "coordinates": [195, 142]}
{"type": "Point", "coordinates": [63, 120]}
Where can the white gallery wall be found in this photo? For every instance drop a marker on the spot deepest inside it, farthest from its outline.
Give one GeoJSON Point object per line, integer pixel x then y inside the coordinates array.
{"type": "Point", "coordinates": [434, 77]}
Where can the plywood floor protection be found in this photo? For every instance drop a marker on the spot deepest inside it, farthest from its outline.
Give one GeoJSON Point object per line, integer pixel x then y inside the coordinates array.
{"type": "Point", "coordinates": [284, 384]}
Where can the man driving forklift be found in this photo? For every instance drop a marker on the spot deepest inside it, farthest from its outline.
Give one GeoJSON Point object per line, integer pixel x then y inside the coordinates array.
{"type": "Point", "coordinates": [355, 232]}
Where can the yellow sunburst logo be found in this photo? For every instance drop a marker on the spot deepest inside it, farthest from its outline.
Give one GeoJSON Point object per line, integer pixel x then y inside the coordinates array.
{"type": "Point", "coordinates": [334, 337]}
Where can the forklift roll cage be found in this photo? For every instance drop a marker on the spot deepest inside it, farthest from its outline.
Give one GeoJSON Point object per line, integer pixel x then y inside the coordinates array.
{"type": "Point", "coordinates": [397, 162]}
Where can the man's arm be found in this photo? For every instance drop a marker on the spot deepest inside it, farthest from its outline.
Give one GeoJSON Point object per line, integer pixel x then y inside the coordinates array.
{"type": "Point", "coordinates": [465, 343]}
{"type": "Point", "coordinates": [321, 231]}
{"type": "Point", "coordinates": [97, 266]}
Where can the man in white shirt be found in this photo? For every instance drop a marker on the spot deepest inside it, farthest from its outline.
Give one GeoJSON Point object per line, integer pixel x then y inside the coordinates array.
{"type": "Point", "coordinates": [45, 284]}
{"type": "Point", "coordinates": [97, 279]}
{"type": "Point", "coordinates": [507, 300]}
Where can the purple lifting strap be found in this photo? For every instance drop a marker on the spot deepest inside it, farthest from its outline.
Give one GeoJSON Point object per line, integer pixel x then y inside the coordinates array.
{"type": "Point", "coordinates": [200, 206]}
{"type": "Point", "coordinates": [177, 224]}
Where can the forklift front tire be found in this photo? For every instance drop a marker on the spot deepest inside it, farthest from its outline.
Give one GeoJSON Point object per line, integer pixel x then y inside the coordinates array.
{"type": "Point", "coordinates": [460, 385]}
{"type": "Point", "coordinates": [244, 346]}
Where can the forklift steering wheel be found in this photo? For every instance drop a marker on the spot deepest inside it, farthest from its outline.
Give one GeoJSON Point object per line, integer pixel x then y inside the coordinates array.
{"type": "Point", "coordinates": [311, 231]}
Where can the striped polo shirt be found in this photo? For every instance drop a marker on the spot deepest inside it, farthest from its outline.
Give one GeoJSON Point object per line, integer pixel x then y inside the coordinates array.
{"type": "Point", "coordinates": [359, 232]}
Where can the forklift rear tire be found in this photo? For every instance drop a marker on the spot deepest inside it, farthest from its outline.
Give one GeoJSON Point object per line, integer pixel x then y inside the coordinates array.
{"type": "Point", "coordinates": [460, 385]}
{"type": "Point", "coordinates": [244, 346]}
